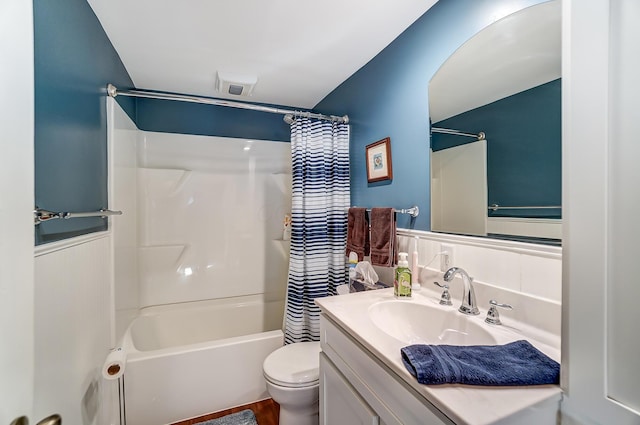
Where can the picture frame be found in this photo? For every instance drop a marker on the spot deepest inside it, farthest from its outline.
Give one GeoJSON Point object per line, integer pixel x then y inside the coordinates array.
{"type": "Point", "coordinates": [378, 156]}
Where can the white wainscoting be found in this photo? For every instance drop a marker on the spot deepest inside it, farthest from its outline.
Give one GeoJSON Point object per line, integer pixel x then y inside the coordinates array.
{"type": "Point", "coordinates": [73, 329]}
{"type": "Point", "coordinates": [519, 226]}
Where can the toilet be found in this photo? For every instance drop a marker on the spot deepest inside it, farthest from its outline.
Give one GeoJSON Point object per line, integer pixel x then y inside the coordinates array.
{"type": "Point", "coordinates": [292, 374]}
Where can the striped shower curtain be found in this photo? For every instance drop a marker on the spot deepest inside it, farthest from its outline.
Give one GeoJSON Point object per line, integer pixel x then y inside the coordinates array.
{"type": "Point", "coordinates": [320, 199]}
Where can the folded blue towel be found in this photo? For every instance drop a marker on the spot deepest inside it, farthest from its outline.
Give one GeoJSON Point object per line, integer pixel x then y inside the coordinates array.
{"type": "Point", "coordinates": [517, 363]}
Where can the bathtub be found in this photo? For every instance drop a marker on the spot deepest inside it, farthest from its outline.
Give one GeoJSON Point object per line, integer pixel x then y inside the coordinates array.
{"type": "Point", "coordinates": [189, 359]}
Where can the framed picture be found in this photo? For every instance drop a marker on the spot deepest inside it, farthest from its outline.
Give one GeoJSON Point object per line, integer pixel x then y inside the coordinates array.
{"type": "Point", "coordinates": [379, 161]}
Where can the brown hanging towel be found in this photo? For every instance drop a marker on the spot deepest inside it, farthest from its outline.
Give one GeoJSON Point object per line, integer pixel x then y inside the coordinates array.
{"type": "Point", "coordinates": [383, 237]}
{"type": "Point", "coordinates": [358, 232]}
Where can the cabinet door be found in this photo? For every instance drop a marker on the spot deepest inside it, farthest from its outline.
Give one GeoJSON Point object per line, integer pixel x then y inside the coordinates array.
{"type": "Point", "coordinates": [339, 402]}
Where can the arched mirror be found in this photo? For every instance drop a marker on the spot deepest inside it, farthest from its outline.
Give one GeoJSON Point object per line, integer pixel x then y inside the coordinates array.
{"type": "Point", "coordinates": [496, 131]}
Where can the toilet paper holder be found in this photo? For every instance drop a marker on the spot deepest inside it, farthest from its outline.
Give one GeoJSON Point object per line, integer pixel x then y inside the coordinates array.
{"type": "Point", "coordinates": [114, 365]}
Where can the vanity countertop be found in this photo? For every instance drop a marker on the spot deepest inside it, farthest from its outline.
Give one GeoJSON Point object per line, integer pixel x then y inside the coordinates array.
{"type": "Point", "coordinates": [463, 404]}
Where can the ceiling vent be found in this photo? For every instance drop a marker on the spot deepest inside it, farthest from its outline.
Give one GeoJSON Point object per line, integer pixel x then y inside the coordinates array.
{"type": "Point", "coordinates": [234, 84]}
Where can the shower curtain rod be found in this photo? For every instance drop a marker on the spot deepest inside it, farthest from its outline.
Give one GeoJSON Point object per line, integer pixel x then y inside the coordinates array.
{"type": "Point", "coordinates": [113, 92]}
{"type": "Point", "coordinates": [479, 136]}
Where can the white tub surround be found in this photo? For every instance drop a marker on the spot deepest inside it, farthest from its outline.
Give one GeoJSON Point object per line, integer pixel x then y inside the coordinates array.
{"type": "Point", "coordinates": [199, 256]}
{"type": "Point", "coordinates": [122, 136]}
{"type": "Point", "coordinates": [203, 216]}
{"type": "Point", "coordinates": [369, 359]}
{"type": "Point", "coordinates": [191, 359]}
{"type": "Point", "coordinates": [210, 217]}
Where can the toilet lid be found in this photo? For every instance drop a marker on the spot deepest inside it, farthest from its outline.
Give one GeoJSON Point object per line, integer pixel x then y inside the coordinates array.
{"type": "Point", "coordinates": [294, 365]}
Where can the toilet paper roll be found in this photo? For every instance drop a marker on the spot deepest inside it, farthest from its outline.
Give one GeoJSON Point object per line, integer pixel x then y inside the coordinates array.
{"type": "Point", "coordinates": [114, 365]}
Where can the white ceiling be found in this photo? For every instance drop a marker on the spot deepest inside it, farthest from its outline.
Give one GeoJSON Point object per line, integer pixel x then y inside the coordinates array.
{"type": "Point", "coordinates": [299, 50]}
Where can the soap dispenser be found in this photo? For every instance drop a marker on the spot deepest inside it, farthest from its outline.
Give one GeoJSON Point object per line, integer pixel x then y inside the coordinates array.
{"type": "Point", "coordinates": [402, 281]}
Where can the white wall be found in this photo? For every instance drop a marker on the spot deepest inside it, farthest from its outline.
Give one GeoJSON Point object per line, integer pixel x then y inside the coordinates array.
{"type": "Point", "coordinates": [16, 205]}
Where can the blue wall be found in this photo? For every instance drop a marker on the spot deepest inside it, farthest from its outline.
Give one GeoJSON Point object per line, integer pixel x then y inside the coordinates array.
{"type": "Point", "coordinates": [209, 120]}
{"type": "Point", "coordinates": [74, 61]}
{"type": "Point", "coordinates": [524, 149]}
{"type": "Point", "coordinates": [388, 97]}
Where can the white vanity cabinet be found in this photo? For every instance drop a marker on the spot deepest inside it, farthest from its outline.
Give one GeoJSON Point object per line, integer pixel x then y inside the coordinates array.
{"type": "Point", "coordinates": [341, 404]}
{"type": "Point", "coordinates": [356, 388]}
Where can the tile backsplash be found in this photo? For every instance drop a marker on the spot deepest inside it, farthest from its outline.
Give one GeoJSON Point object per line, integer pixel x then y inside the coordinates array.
{"type": "Point", "coordinates": [528, 276]}
{"type": "Point", "coordinates": [535, 270]}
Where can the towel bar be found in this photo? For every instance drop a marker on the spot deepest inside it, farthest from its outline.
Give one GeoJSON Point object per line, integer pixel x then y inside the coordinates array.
{"type": "Point", "coordinates": [41, 215]}
{"type": "Point", "coordinates": [413, 211]}
{"type": "Point", "coordinates": [496, 207]}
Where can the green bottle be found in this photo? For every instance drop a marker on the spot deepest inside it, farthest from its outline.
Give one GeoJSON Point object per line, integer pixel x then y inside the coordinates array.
{"type": "Point", "coordinates": [402, 281]}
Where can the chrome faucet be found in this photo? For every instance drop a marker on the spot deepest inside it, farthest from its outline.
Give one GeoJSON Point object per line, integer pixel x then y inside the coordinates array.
{"type": "Point", "coordinates": [468, 305]}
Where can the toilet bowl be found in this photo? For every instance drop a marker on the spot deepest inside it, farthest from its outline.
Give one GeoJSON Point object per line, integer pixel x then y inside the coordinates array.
{"type": "Point", "coordinates": [292, 374]}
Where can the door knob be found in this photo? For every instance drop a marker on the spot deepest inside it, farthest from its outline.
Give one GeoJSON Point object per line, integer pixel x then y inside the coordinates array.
{"type": "Point", "coordinates": [49, 420]}
{"type": "Point", "coordinates": [54, 419]}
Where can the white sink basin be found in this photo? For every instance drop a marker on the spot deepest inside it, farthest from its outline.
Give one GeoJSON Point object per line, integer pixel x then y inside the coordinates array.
{"type": "Point", "coordinates": [414, 323]}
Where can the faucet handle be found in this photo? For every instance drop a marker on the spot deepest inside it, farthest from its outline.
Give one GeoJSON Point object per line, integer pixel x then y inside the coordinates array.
{"type": "Point", "coordinates": [445, 298]}
{"type": "Point", "coordinates": [493, 317]}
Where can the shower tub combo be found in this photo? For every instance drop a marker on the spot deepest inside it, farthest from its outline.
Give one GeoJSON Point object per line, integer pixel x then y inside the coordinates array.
{"type": "Point", "coordinates": [200, 262]}
{"type": "Point", "coordinates": [190, 359]}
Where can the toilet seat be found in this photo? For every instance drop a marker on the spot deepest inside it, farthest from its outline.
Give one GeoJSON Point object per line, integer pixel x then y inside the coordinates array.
{"type": "Point", "coordinates": [294, 366]}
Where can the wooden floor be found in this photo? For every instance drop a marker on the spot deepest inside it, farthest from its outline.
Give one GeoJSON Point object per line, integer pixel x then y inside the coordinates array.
{"type": "Point", "coordinates": [267, 413]}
